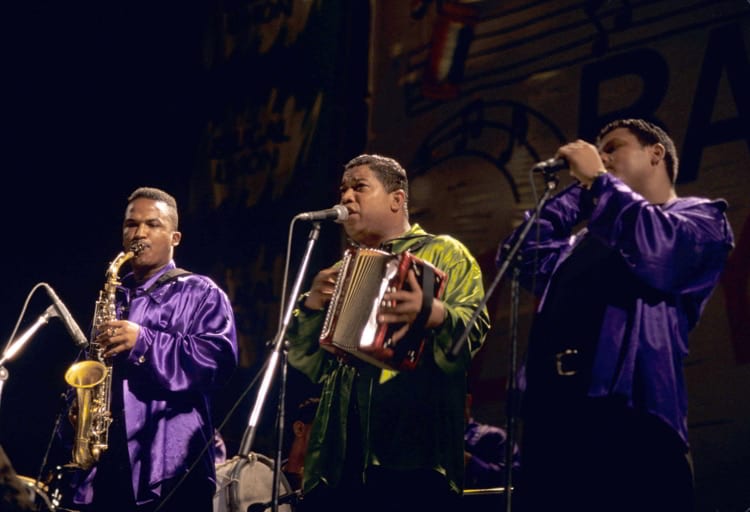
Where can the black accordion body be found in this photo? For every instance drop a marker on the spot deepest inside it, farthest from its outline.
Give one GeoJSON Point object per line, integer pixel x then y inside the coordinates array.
{"type": "Point", "coordinates": [351, 324]}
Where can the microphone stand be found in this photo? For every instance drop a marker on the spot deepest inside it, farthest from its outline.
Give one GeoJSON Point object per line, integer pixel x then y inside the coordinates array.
{"type": "Point", "coordinates": [513, 394]}
{"type": "Point", "coordinates": [14, 347]}
{"type": "Point", "coordinates": [278, 353]}
{"type": "Point", "coordinates": [293, 498]}
{"type": "Point", "coordinates": [551, 181]}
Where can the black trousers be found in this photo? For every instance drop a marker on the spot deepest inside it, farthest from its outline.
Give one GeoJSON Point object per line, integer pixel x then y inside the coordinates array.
{"type": "Point", "coordinates": [598, 455]}
{"type": "Point", "coordinates": [113, 493]}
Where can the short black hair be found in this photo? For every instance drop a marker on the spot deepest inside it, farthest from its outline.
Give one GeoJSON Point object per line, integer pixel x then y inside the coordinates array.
{"type": "Point", "coordinates": [157, 194]}
{"type": "Point", "coordinates": [648, 134]}
{"type": "Point", "coordinates": [388, 171]}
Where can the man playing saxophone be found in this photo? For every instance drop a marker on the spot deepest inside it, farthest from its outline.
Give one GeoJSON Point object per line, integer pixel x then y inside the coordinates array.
{"type": "Point", "coordinates": [171, 344]}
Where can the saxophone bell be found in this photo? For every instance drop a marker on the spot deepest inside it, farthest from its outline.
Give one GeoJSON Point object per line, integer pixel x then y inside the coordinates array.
{"type": "Point", "coordinates": [85, 376]}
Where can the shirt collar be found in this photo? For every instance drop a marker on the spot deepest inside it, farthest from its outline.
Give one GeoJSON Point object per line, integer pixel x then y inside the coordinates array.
{"type": "Point", "coordinates": [404, 241]}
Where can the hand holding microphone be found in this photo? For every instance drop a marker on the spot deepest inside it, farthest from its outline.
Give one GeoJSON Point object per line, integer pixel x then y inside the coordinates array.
{"type": "Point", "coordinates": [551, 165]}
{"type": "Point", "coordinates": [580, 157]}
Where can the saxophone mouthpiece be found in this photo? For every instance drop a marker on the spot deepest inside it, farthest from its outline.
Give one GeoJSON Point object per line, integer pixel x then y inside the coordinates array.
{"type": "Point", "coordinates": [136, 247]}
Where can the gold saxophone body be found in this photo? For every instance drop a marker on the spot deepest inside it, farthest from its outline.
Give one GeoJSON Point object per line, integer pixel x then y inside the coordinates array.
{"type": "Point", "coordinates": [92, 377]}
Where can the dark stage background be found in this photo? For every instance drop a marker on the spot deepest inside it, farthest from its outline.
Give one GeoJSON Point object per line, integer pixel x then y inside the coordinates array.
{"type": "Point", "coordinates": [247, 110]}
{"type": "Point", "coordinates": [102, 98]}
{"type": "Point", "coordinates": [95, 104]}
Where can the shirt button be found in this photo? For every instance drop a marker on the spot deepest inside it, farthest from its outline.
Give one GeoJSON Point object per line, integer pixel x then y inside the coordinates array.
{"type": "Point", "coordinates": [142, 359]}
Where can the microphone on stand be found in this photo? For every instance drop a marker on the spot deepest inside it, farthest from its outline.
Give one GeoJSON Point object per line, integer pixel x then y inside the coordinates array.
{"type": "Point", "coordinates": [67, 319]}
{"type": "Point", "coordinates": [551, 165]}
{"type": "Point", "coordinates": [338, 213]}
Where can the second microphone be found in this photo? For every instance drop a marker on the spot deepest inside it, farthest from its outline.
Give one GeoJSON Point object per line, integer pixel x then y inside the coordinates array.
{"type": "Point", "coordinates": [551, 165]}
{"type": "Point", "coordinates": [338, 213]}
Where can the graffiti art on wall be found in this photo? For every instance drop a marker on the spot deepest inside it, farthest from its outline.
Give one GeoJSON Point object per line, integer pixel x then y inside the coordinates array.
{"type": "Point", "coordinates": [510, 44]}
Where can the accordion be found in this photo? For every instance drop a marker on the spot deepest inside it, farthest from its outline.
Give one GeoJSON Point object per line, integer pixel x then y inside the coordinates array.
{"type": "Point", "coordinates": [351, 326]}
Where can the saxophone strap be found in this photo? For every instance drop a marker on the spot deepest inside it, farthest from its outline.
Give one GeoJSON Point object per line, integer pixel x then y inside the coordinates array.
{"type": "Point", "coordinates": [169, 275]}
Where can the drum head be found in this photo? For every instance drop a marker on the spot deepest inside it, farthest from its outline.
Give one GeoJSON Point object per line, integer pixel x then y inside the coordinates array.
{"type": "Point", "coordinates": [253, 486]}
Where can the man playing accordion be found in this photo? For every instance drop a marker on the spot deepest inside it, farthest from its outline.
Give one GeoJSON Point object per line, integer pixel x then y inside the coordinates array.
{"type": "Point", "coordinates": [385, 436]}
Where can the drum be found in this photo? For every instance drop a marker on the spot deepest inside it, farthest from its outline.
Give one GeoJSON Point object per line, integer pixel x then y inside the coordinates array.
{"type": "Point", "coordinates": [254, 485]}
{"type": "Point", "coordinates": [39, 494]}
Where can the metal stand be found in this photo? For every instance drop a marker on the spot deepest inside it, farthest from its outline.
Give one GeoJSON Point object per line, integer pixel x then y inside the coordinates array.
{"type": "Point", "coordinates": [513, 394]}
{"type": "Point", "coordinates": [551, 182]}
{"type": "Point", "coordinates": [277, 355]}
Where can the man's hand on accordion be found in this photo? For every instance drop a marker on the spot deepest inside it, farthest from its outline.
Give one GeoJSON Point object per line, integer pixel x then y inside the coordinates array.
{"type": "Point", "coordinates": [408, 306]}
{"type": "Point", "coordinates": [322, 289]}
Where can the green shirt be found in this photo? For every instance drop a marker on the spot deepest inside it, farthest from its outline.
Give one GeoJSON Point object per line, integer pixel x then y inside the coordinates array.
{"type": "Point", "coordinates": [408, 420]}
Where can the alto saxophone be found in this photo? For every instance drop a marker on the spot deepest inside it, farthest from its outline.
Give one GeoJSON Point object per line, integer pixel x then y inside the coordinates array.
{"type": "Point", "coordinates": [92, 377]}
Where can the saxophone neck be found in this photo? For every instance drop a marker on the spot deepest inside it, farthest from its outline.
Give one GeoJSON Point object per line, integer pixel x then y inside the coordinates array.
{"type": "Point", "coordinates": [120, 259]}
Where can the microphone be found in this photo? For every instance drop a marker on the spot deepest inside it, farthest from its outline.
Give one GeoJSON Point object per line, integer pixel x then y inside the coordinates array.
{"type": "Point", "coordinates": [70, 324]}
{"type": "Point", "coordinates": [551, 165]}
{"type": "Point", "coordinates": [338, 213]}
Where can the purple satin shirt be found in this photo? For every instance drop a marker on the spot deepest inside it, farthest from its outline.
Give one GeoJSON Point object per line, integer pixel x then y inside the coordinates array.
{"type": "Point", "coordinates": [679, 248]}
{"type": "Point", "coordinates": [186, 349]}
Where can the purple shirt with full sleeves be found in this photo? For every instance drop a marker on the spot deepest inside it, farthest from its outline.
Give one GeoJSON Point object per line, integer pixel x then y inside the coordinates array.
{"type": "Point", "coordinates": [678, 249]}
{"type": "Point", "coordinates": [186, 349]}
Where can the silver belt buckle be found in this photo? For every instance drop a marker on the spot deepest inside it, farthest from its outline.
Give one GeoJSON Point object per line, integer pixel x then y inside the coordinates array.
{"type": "Point", "coordinates": [560, 363]}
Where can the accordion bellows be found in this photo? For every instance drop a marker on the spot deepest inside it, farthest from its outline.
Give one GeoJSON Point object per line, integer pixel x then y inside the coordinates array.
{"type": "Point", "coordinates": [351, 325]}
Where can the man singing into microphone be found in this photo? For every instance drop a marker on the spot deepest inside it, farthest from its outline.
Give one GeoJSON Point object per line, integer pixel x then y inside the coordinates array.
{"type": "Point", "coordinates": [381, 439]}
{"type": "Point", "coordinates": [604, 408]}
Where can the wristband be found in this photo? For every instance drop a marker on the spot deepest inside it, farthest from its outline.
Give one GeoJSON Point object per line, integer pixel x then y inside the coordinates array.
{"type": "Point", "coordinates": [301, 305]}
{"type": "Point", "coordinates": [428, 292]}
